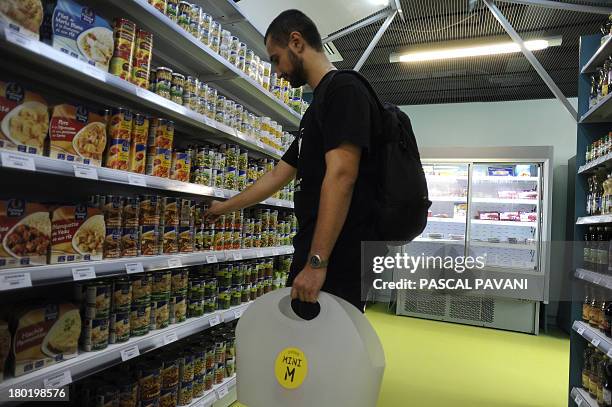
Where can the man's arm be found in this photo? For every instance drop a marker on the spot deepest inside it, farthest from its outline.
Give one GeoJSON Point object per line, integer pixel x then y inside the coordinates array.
{"type": "Point", "coordinates": [265, 187]}
{"type": "Point", "coordinates": [336, 192]}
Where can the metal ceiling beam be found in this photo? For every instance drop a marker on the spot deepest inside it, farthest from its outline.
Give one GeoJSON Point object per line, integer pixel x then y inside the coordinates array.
{"type": "Point", "coordinates": [563, 6]}
{"type": "Point", "coordinates": [531, 58]}
{"type": "Point", "coordinates": [397, 6]}
{"type": "Point", "coordinates": [354, 27]}
{"type": "Point", "coordinates": [375, 40]}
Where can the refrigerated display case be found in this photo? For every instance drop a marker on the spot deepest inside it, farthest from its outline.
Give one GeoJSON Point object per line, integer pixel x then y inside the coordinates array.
{"type": "Point", "coordinates": [493, 204]}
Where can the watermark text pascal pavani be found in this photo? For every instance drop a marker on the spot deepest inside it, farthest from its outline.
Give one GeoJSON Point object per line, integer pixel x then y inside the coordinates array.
{"type": "Point", "coordinates": [458, 264]}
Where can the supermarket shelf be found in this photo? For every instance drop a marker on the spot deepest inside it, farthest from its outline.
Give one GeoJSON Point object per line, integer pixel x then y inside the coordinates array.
{"type": "Point", "coordinates": [504, 245]}
{"type": "Point", "coordinates": [594, 278]}
{"type": "Point", "coordinates": [66, 168]}
{"type": "Point", "coordinates": [231, 17]}
{"type": "Point", "coordinates": [504, 223]}
{"type": "Point", "coordinates": [184, 52]}
{"type": "Point", "coordinates": [88, 363]}
{"type": "Point", "coordinates": [445, 220]}
{"type": "Point", "coordinates": [595, 164]}
{"type": "Point", "coordinates": [440, 241]}
{"type": "Point", "coordinates": [218, 392]}
{"type": "Point", "coordinates": [582, 398]}
{"type": "Point", "coordinates": [70, 73]}
{"type": "Point", "coordinates": [446, 177]}
{"type": "Point", "coordinates": [506, 201]}
{"type": "Point", "coordinates": [593, 220]}
{"type": "Point", "coordinates": [601, 112]}
{"type": "Point", "coordinates": [505, 179]}
{"type": "Point", "coordinates": [598, 59]}
{"type": "Point", "coordinates": [60, 273]}
{"type": "Point", "coordinates": [594, 336]}
{"type": "Point", "coordinates": [448, 199]}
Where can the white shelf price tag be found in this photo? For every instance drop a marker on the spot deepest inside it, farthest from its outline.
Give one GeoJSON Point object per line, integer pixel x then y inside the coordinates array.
{"type": "Point", "coordinates": [18, 162]}
{"type": "Point", "coordinates": [130, 353]}
{"type": "Point", "coordinates": [580, 275]}
{"type": "Point", "coordinates": [210, 123]}
{"type": "Point", "coordinates": [260, 253]}
{"type": "Point", "coordinates": [199, 404]}
{"type": "Point", "coordinates": [94, 72]}
{"type": "Point", "coordinates": [83, 273]}
{"type": "Point", "coordinates": [209, 400]}
{"type": "Point", "coordinates": [595, 342]}
{"type": "Point", "coordinates": [85, 171]}
{"type": "Point", "coordinates": [137, 180]}
{"type": "Point", "coordinates": [597, 280]}
{"type": "Point", "coordinates": [578, 401]}
{"type": "Point", "coordinates": [12, 281]}
{"type": "Point", "coordinates": [211, 258]}
{"type": "Point", "coordinates": [216, 320]}
{"type": "Point", "coordinates": [259, 143]}
{"type": "Point", "coordinates": [175, 262]}
{"type": "Point", "coordinates": [237, 256]}
{"type": "Point", "coordinates": [222, 391]}
{"type": "Point", "coordinates": [170, 337]}
{"type": "Point", "coordinates": [219, 193]}
{"type": "Point", "coordinates": [275, 252]}
{"type": "Point", "coordinates": [132, 268]}
{"type": "Point", "coordinates": [57, 380]}
{"type": "Point", "coordinates": [580, 330]}
{"type": "Point", "coordinates": [238, 312]}
{"type": "Point", "coordinates": [609, 354]}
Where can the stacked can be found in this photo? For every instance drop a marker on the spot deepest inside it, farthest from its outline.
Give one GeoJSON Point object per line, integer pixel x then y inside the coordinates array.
{"type": "Point", "coordinates": [141, 64]}
{"type": "Point", "coordinates": [170, 372]}
{"type": "Point", "coordinates": [96, 303]}
{"type": "Point", "coordinates": [150, 213]}
{"type": "Point", "coordinates": [112, 208]}
{"type": "Point", "coordinates": [120, 314]}
{"type": "Point", "coordinates": [178, 298]}
{"type": "Point", "coordinates": [186, 231]}
{"type": "Point", "coordinates": [161, 82]}
{"type": "Point", "coordinates": [130, 242]}
{"type": "Point", "coordinates": [124, 38]}
{"type": "Point", "coordinates": [172, 9]}
{"type": "Point", "coordinates": [206, 21]}
{"type": "Point", "coordinates": [184, 15]}
{"type": "Point", "coordinates": [195, 21]}
{"type": "Point", "coordinates": [225, 44]}
{"type": "Point", "coordinates": [159, 157]}
{"type": "Point", "coordinates": [161, 282]}
{"type": "Point", "coordinates": [190, 95]}
{"type": "Point", "coordinates": [181, 165]}
{"type": "Point", "coordinates": [140, 311]}
{"type": "Point", "coordinates": [168, 231]}
{"type": "Point", "coordinates": [138, 144]}
{"type": "Point", "coordinates": [215, 37]}
{"type": "Point", "coordinates": [118, 140]}
{"type": "Point", "coordinates": [178, 88]}
{"type": "Point", "coordinates": [159, 5]}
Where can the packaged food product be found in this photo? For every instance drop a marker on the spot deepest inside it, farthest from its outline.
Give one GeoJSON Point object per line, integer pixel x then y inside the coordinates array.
{"type": "Point", "coordinates": [185, 393]}
{"type": "Point", "coordinates": [119, 134]}
{"type": "Point", "coordinates": [158, 162]}
{"type": "Point", "coordinates": [77, 234]}
{"type": "Point", "coordinates": [169, 397]}
{"type": "Point", "coordinates": [5, 346]}
{"type": "Point", "coordinates": [160, 316]}
{"type": "Point", "coordinates": [25, 232]}
{"type": "Point", "coordinates": [149, 380]}
{"type": "Point", "coordinates": [122, 294]}
{"type": "Point", "coordinates": [510, 216]}
{"type": "Point", "coordinates": [128, 391]}
{"type": "Point", "coordinates": [170, 211]}
{"type": "Point", "coordinates": [124, 32]}
{"type": "Point", "coordinates": [185, 239]}
{"type": "Point", "coordinates": [131, 212]}
{"type": "Point", "coordinates": [142, 58]}
{"type": "Point", "coordinates": [112, 208]}
{"type": "Point", "coordinates": [24, 16]}
{"type": "Point", "coordinates": [169, 240]}
{"type": "Point", "coordinates": [97, 299]}
{"type": "Point", "coordinates": [43, 335]}
{"type": "Point", "coordinates": [95, 334]}
{"type": "Point", "coordinates": [150, 209]}
{"type": "Point", "coordinates": [161, 284]}
{"type": "Point", "coordinates": [169, 372]}
{"type": "Point", "coordinates": [119, 330]}
{"type": "Point", "coordinates": [76, 135]}
{"type": "Point", "coordinates": [180, 278]}
{"type": "Point", "coordinates": [149, 240]}
{"type": "Point", "coordinates": [488, 215]}
{"type": "Point", "coordinates": [140, 318]}
{"type": "Point", "coordinates": [159, 4]}
{"type": "Point", "coordinates": [141, 288]}
{"type": "Point", "coordinates": [24, 119]}
{"type": "Point", "coordinates": [178, 309]}
{"type": "Point", "coordinates": [181, 166]}
{"type": "Point", "coordinates": [186, 367]}
{"type": "Point", "coordinates": [138, 144]}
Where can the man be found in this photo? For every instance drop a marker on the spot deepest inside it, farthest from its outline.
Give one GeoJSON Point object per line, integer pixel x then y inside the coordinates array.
{"type": "Point", "coordinates": [329, 158]}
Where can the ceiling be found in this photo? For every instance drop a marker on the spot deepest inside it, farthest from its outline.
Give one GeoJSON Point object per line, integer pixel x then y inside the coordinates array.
{"type": "Point", "coordinates": [474, 79]}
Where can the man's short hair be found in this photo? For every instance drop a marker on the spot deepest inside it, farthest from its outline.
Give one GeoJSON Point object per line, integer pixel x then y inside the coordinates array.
{"type": "Point", "coordinates": [294, 20]}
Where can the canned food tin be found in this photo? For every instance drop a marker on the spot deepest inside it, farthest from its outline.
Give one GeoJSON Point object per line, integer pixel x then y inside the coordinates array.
{"type": "Point", "coordinates": [150, 209]}
{"type": "Point", "coordinates": [209, 379]}
{"type": "Point", "coordinates": [161, 284]}
{"type": "Point", "coordinates": [160, 314]}
{"type": "Point", "coordinates": [140, 319]}
{"type": "Point", "coordinates": [123, 48]}
{"type": "Point", "coordinates": [196, 308]}
{"type": "Point", "coordinates": [198, 385]}
{"type": "Point", "coordinates": [224, 298]}
{"type": "Point", "coordinates": [141, 288]}
{"type": "Point", "coordinates": [95, 334]}
{"type": "Point", "coordinates": [149, 380]}
{"type": "Point", "coordinates": [164, 74]}
{"type": "Point", "coordinates": [152, 79]}
{"type": "Point", "coordinates": [181, 166]}
{"type": "Point", "coordinates": [122, 294]}
{"type": "Point", "coordinates": [169, 397]}
{"type": "Point", "coordinates": [191, 85]}
{"type": "Point", "coordinates": [185, 393]}
{"type": "Point", "coordinates": [176, 94]}
{"type": "Point", "coordinates": [107, 396]}
{"type": "Point", "coordinates": [186, 239]}
{"type": "Point", "coordinates": [210, 304]}
{"type": "Point", "coordinates": [98, 296]}
{"type": "Point", "coordinates": [120, 126]}
{"type": "Point", "coordinates": [161, 133]}
{"type": "Point", "coordinates": [210, 287]}
{"type": "Point", "coordinates": [178, 309]}
{"type": "Point", "coordinates": [180, 279]}
{"type": "Point", "coordinates": [178, 79]}
{"type": "Point", "coordinates": [233, 58]}
{"type": "Point", "coordinates": [119, 327]}
{"type": "Point", "coordinates": [170, 372]}
{"type": "Point", "coordinates": [158, 162]}
{"type": "Point", "coordinates": [112, 208]}
{"type": "Point", "coordinates": [162, 88]}
{"type": "Point", "coordinates": [131, 212]}
{"type": "Point", "coordinates": [196, 289]}
{"type": "Point", "coordinates": [172, 9]}
{"type": "Point", "coordinates": [236, 293]}
{"type": "Point", "coordinates": [159, 4]}
{"type": "Point", "coordinates": [128, 392]}
{"type": "Point", "coordinates": [170, 211]}
{"type": "Point", "coordinates": [149, 240]}
{"type": "Point", "coordinates": [208, 237]}
{"type": "Point", "coordinates": [246, 293]}
{"type": "Point", "coordinates": [219, 373]}
{"type": "Point", "coordinates": [141, 65]}
{"type": "Point", "coordinates": [169, 242]}
{"type": "Point", "coordinates": [112, 243]}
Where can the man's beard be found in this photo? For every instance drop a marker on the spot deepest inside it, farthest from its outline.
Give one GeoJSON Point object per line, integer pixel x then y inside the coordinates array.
{"type": "Point", "coordinates": [297, 77]}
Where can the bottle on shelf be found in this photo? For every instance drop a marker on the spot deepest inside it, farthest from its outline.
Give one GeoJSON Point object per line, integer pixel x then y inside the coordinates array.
{"type": "Point", "coordinates": [606, 203]}
{"type": "Point", "coordinates": [593, 373]}
{"type": "Point", "coordinates": [586, 369]}
{"type": "Point", "coordinates": [602, 250]}
{"type": "Point", "coordinates": [586, 305]}
{"type": "Point", "coordinates": [601, 369]}
{"type": "Point", "coordinates": [592, 101]}
{"type": "Point", "coordinates": [595, 309]}
{"type": "Point", "coordinates": [604, 321]}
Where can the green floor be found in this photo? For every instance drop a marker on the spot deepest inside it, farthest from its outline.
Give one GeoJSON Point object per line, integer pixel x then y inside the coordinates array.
{"type": "Point", "coordinates": [435, 364]}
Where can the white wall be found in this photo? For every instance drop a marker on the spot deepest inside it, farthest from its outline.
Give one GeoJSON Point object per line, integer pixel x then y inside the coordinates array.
{"type": "Point", "coordinates": [522, 123]}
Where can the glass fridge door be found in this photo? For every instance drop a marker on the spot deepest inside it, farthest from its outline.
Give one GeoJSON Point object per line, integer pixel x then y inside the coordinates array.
{"type": "Point", "coordinates": [505, 211]}
{"type": "Point", "coordinates": [444, 234]}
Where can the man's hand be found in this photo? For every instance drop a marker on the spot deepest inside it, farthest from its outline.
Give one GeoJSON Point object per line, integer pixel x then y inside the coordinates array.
{"type": "Point", "coordinates": [308, 283]}
{"type": "Point", "coordinates": [216, 209]}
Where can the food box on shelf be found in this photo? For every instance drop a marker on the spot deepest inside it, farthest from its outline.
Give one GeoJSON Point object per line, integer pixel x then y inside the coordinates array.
{"type": "Point", "coordinates": [77, 234]}
{"type": "Point", "coordinates": [24, 16]}
{"type": "Point", "coordinates": [488, 215]}
{"type": "Point", "coordinates": [510, 216]}
{"type": "Point", "coordinates": [25, 233]}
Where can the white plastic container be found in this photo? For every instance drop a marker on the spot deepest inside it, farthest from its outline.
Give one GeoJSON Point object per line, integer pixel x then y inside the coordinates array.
{"type": "Point", "coordinates": [335, 359]}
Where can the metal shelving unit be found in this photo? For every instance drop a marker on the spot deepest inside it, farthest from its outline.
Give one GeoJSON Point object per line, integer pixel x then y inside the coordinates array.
{"type": "Point", "coordinates": [594, 165]}
{"type": "Point", "coordinates": [87, 363]}
{"type": "Point", "coordinates": [178, 48]}
{"type": "Point", "coordinates": [594, 336]}
{"type": "Point", "coordinates": [604, 51]}
{"type": "Point", "coordinates": [592, 277]}
{"type": "Point", "coordinates": [221, 392]}
{"type": "Point", "coordinates": [593, 220]}
{"type": "Point", "coordinates": [87, 81]}
{"type": "Point", "coordinates": [25, 161]}
{"type": "Point", "coordinates": [582, 398]}
{"type": "Point", "coordinates": [24, 277]}
{"type": "Point", "coordinates": [600, 113]}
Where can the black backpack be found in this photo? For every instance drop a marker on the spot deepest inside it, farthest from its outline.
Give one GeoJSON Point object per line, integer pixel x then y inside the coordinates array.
{"type": "Point", "coordinates": [402, 199]}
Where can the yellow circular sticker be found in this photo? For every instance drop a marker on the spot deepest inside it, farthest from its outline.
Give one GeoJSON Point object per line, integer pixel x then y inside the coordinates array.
{"type": "Point", "coordinates": [291, 368]}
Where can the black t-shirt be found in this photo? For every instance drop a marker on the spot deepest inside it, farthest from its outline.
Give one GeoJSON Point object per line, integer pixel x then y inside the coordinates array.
{"type": "Point", "coordinates": [347, 113]}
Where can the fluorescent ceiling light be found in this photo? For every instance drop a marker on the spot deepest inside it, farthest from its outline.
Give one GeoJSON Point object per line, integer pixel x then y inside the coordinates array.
{"type": "Point", "coordinates": [472, 51]}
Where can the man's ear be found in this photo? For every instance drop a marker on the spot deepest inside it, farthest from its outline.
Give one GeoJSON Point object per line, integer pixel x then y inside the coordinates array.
{"type": "Point", "coordinates": [296, 42]}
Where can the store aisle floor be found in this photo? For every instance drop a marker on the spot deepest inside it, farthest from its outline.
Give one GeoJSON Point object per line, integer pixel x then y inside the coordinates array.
{"type": "Point", "coordinates": [436, 364]}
